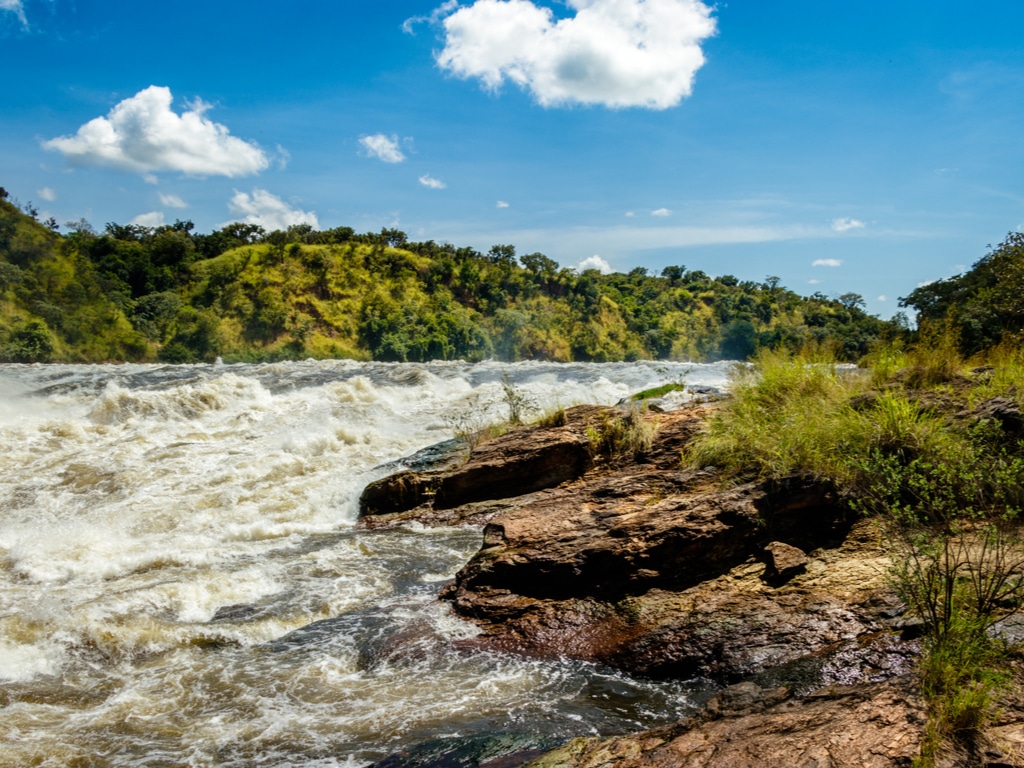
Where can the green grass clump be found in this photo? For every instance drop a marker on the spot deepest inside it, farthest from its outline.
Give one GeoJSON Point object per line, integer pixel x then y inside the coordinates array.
{"type": "Point", "coordinates": [789, 412]}
{"type": "Point", "coordinates": [659, 391]}
{"type": "Point", "coordinates": [619, 435]}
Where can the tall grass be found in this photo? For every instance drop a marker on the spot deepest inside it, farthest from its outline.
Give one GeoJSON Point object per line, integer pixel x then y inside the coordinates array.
{"type": "Point", "coordinates": [947, 490]}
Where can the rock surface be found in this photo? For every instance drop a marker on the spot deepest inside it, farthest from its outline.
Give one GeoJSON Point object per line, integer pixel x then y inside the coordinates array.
{"type": "Point", "coordinates": [869, 726]}
{"type": "Point", "coordinates": [783, 562]}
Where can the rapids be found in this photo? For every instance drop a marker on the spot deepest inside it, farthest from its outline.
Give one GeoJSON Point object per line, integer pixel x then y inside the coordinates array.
{"type": "Point", "coordinates": [182, 582]}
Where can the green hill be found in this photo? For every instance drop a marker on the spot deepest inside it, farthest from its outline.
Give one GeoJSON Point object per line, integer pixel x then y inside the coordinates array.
{"type": "Point", "coordinates": [138, 293]}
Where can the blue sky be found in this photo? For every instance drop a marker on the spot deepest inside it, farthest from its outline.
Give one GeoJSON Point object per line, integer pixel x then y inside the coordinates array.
{"type": "Point", "coordinates": [843, 147]}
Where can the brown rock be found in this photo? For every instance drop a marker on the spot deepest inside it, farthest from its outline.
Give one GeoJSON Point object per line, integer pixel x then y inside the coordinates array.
{"type": "Point", "coordinates": [614, 537]}
{"type": "Point", "coordinates": [519, 462]}
{"type": "Point", "coordinates": [871, 726]}
{"type": "Point", "coordinates": [722, 628]}
{"type": "Point", "coordinates": [398, 492]}
{"type": "Point", "coordinates": [783, 562]}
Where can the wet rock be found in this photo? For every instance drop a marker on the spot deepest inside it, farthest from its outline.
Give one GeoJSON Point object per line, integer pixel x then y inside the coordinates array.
{"type": "Point", "coordinates": [783, 562]}
{"type": "Point", "coordinates": [399, 492]}
{"type": "Point", "coordinates": [870, 726]}
{"type": "Point", "coordinates": [499, 750]}
{"type": "Point", "coordinates": [416, 480]}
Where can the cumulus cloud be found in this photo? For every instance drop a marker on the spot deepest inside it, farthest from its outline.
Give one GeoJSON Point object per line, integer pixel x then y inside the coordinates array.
{"type": "Point", "coordinates": [883, 297]}
{"type": "Point", "coordinates": [845, 224]}
{"type": "Point", "coordinates": [172, 201]}
{"type": "Point", "coordinates": [630, 214]}
{"type": "Point", "coordinates": [814, 282]}
{"type": "Point", "coordinates": [501, 204]}
{"type": "Point", "coordinates": [614, 53]}
{"type": "Point", "coordinates": [151, 219]}
{"type": "Point", "coordinates": [47, 194]}
{"type": "Point", "coordinates": [595, 262]}
{"type": "Point", "coordinates": [16, 8]}
{"type": "Point", "coordinates": [269, 211]}
{"type": "Point", "coordinates": [429, 181]}
{"type": "Point", "coordinates": [827, 263]}
{"type": "Point", "coordinates": [661, 212]}
{"type": "Point", "coordinates": [382, 147]}
{"type": "Point", "coordinates": [143, 134]}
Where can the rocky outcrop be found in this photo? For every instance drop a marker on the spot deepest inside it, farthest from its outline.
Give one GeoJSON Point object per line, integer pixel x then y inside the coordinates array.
{"type": "Point", "coordinates": [514, 464]}
{"type": "Point", "coordinates": [637, 563]}
{"type": "Point", "coordinates": [726, 627]}
{"type": "Point", "coordinates": [615, 537]}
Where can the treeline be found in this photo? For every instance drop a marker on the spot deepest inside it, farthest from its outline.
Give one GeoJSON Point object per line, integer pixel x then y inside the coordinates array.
{"type": "Point", "coordinates": [984, 307]}
{"type": "Point", "coordinates": [241, 293]}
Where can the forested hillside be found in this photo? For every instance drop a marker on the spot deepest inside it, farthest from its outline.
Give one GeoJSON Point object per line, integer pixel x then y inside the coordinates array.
{"type": "Point", "coordinates": [240, 293]}
{"type": "Point", "coordinates": [985, 305]}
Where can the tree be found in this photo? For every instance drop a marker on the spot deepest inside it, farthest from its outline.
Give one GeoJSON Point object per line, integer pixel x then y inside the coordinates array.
{"type": "Point", "coordinates": [852, 301]}
{"type": "Point", "coordinates": [540, 265]}
{"type": "Point", "coordinates": [504, 255]}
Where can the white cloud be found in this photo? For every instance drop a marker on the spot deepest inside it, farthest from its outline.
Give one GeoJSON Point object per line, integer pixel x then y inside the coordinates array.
{"type": "Point", "coordinates": [615, 53]}
{"type": "Point", "coordinates": [845, 224]}
{"type": "Point", "coordinates": [16, 8]}
{"type": "Point", "coordinates": [813, 282]}
{"type": "Point", "coordinates": [661, 212]}
{"type": "Point", "coordinates": [150, 178]}
{"type": "Point", "coordinates": [595, 262]}
{"type": "Point", "coordinates": [883, 297]}
{"type": "Point", "coordinates": [429, 181]}
{"type": "Point", "coordinates": [409, 25]}
{"type": "Point", "coordinates": [283, 157]}
{"type": "Point", "coordinates": [827, 263]}
{"type": "Point", "coordinates": [501, 204]}
{"type": "Point", "coordinates": [143, 134]}
{"type": "Point", "coordinates": [630, 214]}
{"type": "Point", "coordinates": [382, 147]}
{"type": "Point", "coordinates": [268, 211]}
{"type": "Point", "coordinates": [151, 219]}
{"type": "Point", "coordinates": [47, 194]}
{"type": "Point", "coordinates": [172, 201]}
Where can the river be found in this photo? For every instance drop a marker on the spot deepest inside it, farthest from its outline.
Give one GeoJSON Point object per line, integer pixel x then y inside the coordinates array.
{"type": "Point", "coordinates": [182, 582]}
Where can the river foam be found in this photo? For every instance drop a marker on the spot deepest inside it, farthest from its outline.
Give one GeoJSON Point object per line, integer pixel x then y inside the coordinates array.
{"type": "Point", "coordinates": [181, 581]}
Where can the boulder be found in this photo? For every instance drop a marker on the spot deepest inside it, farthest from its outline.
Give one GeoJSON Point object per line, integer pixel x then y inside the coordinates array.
{"type": "Point", "coordinates": [783, 562]}
{"type": "Point", "coordinates": [516, 463]}
{"type": "Point", "coordinates": [399, 492]}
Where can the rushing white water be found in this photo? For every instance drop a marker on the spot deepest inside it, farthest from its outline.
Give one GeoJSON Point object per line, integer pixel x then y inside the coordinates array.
{"type": "Point", "coordinates": [182, 582]}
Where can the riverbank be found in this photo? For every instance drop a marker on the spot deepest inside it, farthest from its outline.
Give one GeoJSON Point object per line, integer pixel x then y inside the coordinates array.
{"type": "Point", "coordinates": [610, 551]}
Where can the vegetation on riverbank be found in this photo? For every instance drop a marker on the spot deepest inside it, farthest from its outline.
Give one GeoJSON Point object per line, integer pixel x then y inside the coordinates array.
{"type": "Point", "coordinates": [930, 444]}
{"type": "Point", "coordinates": [240, 293]}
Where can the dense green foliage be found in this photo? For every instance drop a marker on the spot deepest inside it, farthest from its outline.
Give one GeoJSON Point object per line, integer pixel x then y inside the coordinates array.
{"type": "Point", "coordinates": [140, 293]}
{"type": "Point", "coordinates": [985, 304]}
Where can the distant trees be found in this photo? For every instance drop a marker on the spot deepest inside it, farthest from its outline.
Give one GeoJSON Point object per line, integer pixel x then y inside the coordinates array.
{"type": "Point", "coordinates": [135, 292]}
